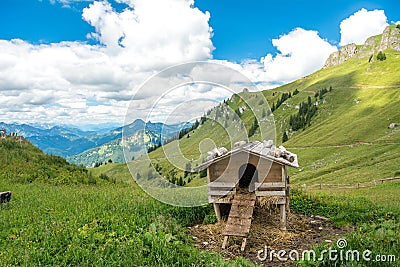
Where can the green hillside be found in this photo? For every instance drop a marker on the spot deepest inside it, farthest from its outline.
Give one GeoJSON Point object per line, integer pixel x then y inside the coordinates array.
{"type": "Point", "coordinates": [355, 72]}
{"type": "Point", "coordinates": [21, 162]}
{"type": "Point", "coordinates": [347, 142]}
{"type": "Point", "coordinates": [364, 101]}
{"type": "Point", "coordinates": [109, 151]}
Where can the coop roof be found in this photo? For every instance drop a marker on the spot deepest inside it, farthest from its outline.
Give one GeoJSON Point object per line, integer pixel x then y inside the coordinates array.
{"type": "Point", "coordinates": [255, 148]}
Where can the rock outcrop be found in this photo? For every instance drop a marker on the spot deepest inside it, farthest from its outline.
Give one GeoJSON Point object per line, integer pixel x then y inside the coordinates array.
{"type": "Point", "coordinates": [370, 47]}
{"type": "Point", "coordinates": [338, 57]}
{"type": "Point", "coordinates": [389, 39]}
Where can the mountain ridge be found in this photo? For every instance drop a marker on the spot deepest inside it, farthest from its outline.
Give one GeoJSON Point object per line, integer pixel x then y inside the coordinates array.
{"type": "Point", "coordinates": [137, 136]}
{"type": "Point", "coordinates": [69, 141]}
{"type": "Point", "coordinates": [57, 140]}
{"type": "Point", "coordinates": [389, 39]}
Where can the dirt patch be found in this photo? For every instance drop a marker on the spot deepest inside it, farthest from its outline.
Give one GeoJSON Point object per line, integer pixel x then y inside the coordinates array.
{"type": "Point", "coordinates": [302, 233]}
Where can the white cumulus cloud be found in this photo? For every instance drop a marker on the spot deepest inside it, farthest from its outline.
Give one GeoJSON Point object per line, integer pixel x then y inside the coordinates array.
{"type": "Point", "coordinates": [361, 25]}
{"type": "Point", "coordinates": [152, 33]}
{"type": "Point", "coordinates": [95, 82]}
{"type": "Point", "coordinates": [301, 52]}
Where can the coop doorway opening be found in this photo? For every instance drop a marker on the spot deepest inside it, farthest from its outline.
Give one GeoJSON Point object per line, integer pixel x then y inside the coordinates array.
{"type": "Point", "coordinates": [247, 173]}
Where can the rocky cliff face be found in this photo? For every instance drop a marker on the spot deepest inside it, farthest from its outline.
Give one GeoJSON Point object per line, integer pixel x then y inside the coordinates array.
{"type": "Point", "coordinates": [390, 38]}
{"type": "Point", "coordinates": [338, 57]}
{"type": "Point", "coordinates": [371, 46]}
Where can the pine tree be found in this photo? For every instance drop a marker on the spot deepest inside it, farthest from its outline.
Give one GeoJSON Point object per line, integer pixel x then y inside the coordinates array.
{"type": "Point", "coordinates": [284, 137]}
{"type": "Point", "coordinates": [203, 173]}
{"type": "Point", "coordinates": [253, 128]}
{"type": "Point", "coordinates": [203, 119]}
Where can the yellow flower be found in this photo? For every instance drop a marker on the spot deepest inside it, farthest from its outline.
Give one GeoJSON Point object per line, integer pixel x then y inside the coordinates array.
{"type": "Point", "coordinates": [13, 236]}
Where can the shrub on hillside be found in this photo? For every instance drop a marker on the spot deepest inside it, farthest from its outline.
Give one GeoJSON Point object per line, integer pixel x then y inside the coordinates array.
{"type": "Point", "coordinates": [381, 56]}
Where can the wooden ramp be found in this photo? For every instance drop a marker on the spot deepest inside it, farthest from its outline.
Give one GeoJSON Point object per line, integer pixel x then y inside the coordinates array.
{"type": "Point", "coordinates": [240, 216]}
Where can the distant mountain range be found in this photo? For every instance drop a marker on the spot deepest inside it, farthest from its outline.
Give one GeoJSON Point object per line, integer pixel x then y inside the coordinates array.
{"type": "Point", "coordinates": [137, 136]}
{"type": "Point", "coordinates": [57, 140]}
{"type": "Point", "coordinates": [90, 147]}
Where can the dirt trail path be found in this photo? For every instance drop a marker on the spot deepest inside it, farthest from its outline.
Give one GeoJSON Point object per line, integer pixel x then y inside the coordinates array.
{"type": "Point", "coordinates": [344, 145]}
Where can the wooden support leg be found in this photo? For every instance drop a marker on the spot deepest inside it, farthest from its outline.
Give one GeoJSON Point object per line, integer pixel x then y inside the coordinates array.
{"type": "Point", "coordinates": [288, 199]}
{"type": "Point", "coordinates": [217, 211]}
{"type": "Point", "coordinates": [283, 217]}
{"type": "Point", "coordinates": [243, 244]}
{"type": "Point", "coordinates": [225, 242]}
{"type": "Point", "coordinates": [287, 207]}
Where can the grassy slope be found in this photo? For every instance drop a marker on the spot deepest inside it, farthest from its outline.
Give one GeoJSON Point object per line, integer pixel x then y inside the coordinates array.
{"type": "Point", "coordinates": [354, 72]}
{"type": "Point", "coordinates": [57, 217]}
{"type": "Point", "coordinates": [103, 225]}
{"type": "Point", "coordinates": [365, 100]}
{"type": "Point", "coordinates": [25, 163]}
{"type": "Point", "coordinates": [357, 111]}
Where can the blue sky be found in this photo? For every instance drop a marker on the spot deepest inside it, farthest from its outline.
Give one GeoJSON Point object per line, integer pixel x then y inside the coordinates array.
{"type": "Point", "coordinates": [82, 61]}
{"type": "Point", "coordinates": [40, 21]}
{"type": "Point", "coordinates": [242, 29]}
{"type": "Point", "coordinates": [246, 28]}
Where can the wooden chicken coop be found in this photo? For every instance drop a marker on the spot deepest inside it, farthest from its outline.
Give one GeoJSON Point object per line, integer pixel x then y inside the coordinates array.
{"type": "Point", "coordinates": [237, 178]}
